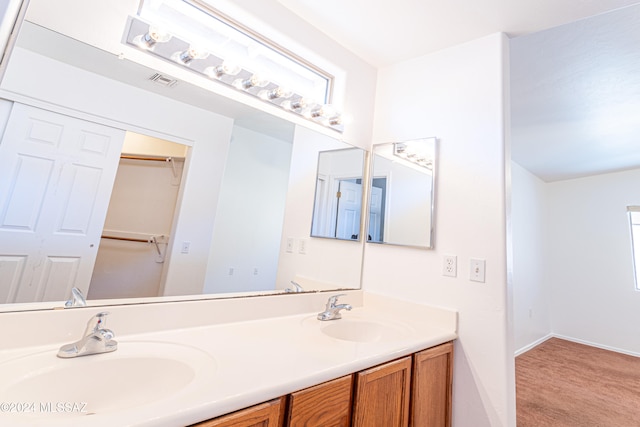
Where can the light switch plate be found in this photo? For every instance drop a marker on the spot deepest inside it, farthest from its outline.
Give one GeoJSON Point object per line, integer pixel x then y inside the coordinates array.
{"type": "Point", "coordinates": [302, 246]}
{"type": "Point", "coordinates": [476, 270]}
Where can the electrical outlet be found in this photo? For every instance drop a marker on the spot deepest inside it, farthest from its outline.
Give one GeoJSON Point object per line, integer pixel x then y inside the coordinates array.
{"type": "Point", "coordinates": [450, 266]}
{"type": "Point", "coordinates": [476, 270]}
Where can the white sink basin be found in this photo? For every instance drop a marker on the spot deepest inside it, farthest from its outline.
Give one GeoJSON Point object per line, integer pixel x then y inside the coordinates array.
{"type": "Point", "coordinates": [138, 373]}
{"type": "Point", "coordinates": [359, 329]}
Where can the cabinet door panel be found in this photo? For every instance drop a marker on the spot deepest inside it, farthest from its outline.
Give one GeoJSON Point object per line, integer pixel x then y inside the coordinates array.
{"type": "Point", "coordinates": [264, 415]}
{"type": "Point", "coordinates": [431, 387]}
{"type": "Point", "coordinates": [324, 405]}
{"type": "Point", "coordinates": [382, 395]}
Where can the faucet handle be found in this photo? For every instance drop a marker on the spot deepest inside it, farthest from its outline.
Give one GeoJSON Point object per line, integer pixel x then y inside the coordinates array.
{"type": "Point", "coordinates": [331, 303]}
{"type": "Point", "coordinates": [96, 323]}
{"type": "Point", "coordinates": [296, 288]}
{"type": "Point", "coordinates": [77, 299]}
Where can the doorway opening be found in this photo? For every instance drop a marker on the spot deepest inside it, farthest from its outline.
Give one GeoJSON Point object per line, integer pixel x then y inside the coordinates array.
{"type": "Point", "coordinates": [131, 260]}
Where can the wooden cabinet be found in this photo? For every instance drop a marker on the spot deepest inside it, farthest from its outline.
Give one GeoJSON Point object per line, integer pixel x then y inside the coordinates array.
{"type": "Point", "coordinates": [267, 414]}
{"type": "Point", "coordinates": [412, 391]}
{"type": "Point", "coordinates": [431, 387]}
{"type": "Point", "coordinates": [381, 396]}
{"type": "Point", "coordinates": [324, 405]}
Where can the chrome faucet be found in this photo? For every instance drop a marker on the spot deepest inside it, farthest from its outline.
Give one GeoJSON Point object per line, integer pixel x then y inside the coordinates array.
{"type": "Point", "coordinates": [96, 339]}
{"type": "Point", "coordinates": [77, 299]}
{"type": "Point", "coordinates": [296, 288]}
{"type": "Point", "coordinates": [332, 310]}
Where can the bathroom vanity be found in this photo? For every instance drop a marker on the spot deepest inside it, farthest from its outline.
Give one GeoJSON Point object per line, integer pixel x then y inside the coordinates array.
{"type": "Point", "coordinates": [182, 363]}
{"type": "Point", "coordinates": [413, 390]}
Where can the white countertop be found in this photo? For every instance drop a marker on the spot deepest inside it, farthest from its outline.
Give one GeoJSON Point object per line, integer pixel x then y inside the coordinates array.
{"type": "Point", "coordinates": [257, 360]}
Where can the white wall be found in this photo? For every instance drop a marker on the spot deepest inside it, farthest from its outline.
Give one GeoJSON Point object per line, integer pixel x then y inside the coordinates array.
{"type": "Point", "coordinates": [248, 228]}
{"type": "Point", "coordinates": [532, 316]}
{"type": "Point", "coordinates": [459, 96]}
{"type": "Point", "coordinates": [407, 218]}
{"type": "Point", "coordinates": [589, 262]}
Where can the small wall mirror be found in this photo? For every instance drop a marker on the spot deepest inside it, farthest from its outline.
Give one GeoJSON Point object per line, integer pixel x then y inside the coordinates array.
{"type": "Point", "coordinates": [337, 209]}
{"type": "Point", "coordinates": [402, 193]}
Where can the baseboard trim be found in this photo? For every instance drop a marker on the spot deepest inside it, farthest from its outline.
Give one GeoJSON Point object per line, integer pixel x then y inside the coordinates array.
{"type": "Point", "coordinates": [592, 344]}
{"type": "Point", "coordinates": [572, 339]}
{"type": "Point", "coordinates": [533, 344]}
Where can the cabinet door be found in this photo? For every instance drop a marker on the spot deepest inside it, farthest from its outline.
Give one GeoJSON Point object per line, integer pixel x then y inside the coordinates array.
{"type": "Point", "coordinates": [267, 414]}
{"type": "Point", "coordinates": [382, 395]}
{"type": "Point", "coordinates": [431, 388]}
{"type": "Point", "coordinates": [324, 405]}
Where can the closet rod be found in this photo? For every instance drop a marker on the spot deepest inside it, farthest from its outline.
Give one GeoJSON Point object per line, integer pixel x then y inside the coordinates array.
{"type": "Point", "coordinates": [127, 239]}
{"type": "Point", "coordinates": [151, 158]}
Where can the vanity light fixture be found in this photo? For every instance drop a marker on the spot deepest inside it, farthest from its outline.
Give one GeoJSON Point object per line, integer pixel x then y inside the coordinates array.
{"type": "Point", "coordinates": [209, 43]}
{"type": "Point", "coordinates": [414, 153]}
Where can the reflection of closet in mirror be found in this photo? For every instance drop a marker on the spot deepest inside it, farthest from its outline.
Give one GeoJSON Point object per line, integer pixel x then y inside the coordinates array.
{"type": "Point", "coordinates": [338, 199]}
{"type": "Point", "coordinates": [401, 199]}
{"type": "Point", "coordinates": [137, 229]}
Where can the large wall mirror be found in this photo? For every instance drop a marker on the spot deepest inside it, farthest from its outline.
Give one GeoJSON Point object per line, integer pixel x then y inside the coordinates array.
{"type": "Point", "coordinates": [180, 220]}
{"type": "Point", "coordinates": [401, 203]}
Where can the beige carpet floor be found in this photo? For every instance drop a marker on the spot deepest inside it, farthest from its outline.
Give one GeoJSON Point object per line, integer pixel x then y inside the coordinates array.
{"type": "Point", "coordinates": [562, 383]}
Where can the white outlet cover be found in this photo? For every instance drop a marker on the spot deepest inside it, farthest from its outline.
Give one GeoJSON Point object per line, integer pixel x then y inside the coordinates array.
{"type": "Point", "coordinates": [450, 265]}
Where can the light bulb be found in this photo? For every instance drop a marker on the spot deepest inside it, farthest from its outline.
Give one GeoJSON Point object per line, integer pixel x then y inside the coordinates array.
{"type": "Point", "coordinates": [277, 93]}
{"type": "Point", "coordinates": [151, 37]}
{"type": "Point", "coordinates": [225, 68]}
{"type": "Point", "coordinates": [254, 81]}
{"type": "Point", "coordinates": [333, 120]}
{"type": "Point", "coordinates": [189, 55]}
{"type": "Point", "coordinates": [320, 112]}
{"type": "Point", "coordinates": [295, 105]}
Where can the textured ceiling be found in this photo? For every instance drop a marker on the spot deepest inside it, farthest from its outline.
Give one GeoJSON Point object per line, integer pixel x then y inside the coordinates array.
{"type": "Point", "coordinates": [385, 32]}
{"type": "Point", "coordinates": [575, 67]}
{"type": "Point", "coordinates": [575, 97]}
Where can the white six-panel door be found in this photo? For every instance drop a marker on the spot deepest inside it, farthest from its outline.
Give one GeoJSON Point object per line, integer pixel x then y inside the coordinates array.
{"type": "Point", "coordinates": [349, 210]}
{"type": "Point", "coordinates": [56, 176]}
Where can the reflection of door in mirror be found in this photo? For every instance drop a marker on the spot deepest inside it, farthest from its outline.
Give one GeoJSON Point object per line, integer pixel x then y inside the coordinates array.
{"type": "Point", "coordinates": [349, 209]}
{"type": "Point", "coordinates": [337, 210]}
{"type": "Point", "coordinates": [139, 221]}
{"type": "Point", "coordinates": [376, 209]}
{"type": "Point", "coordinates": [56, 175]}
